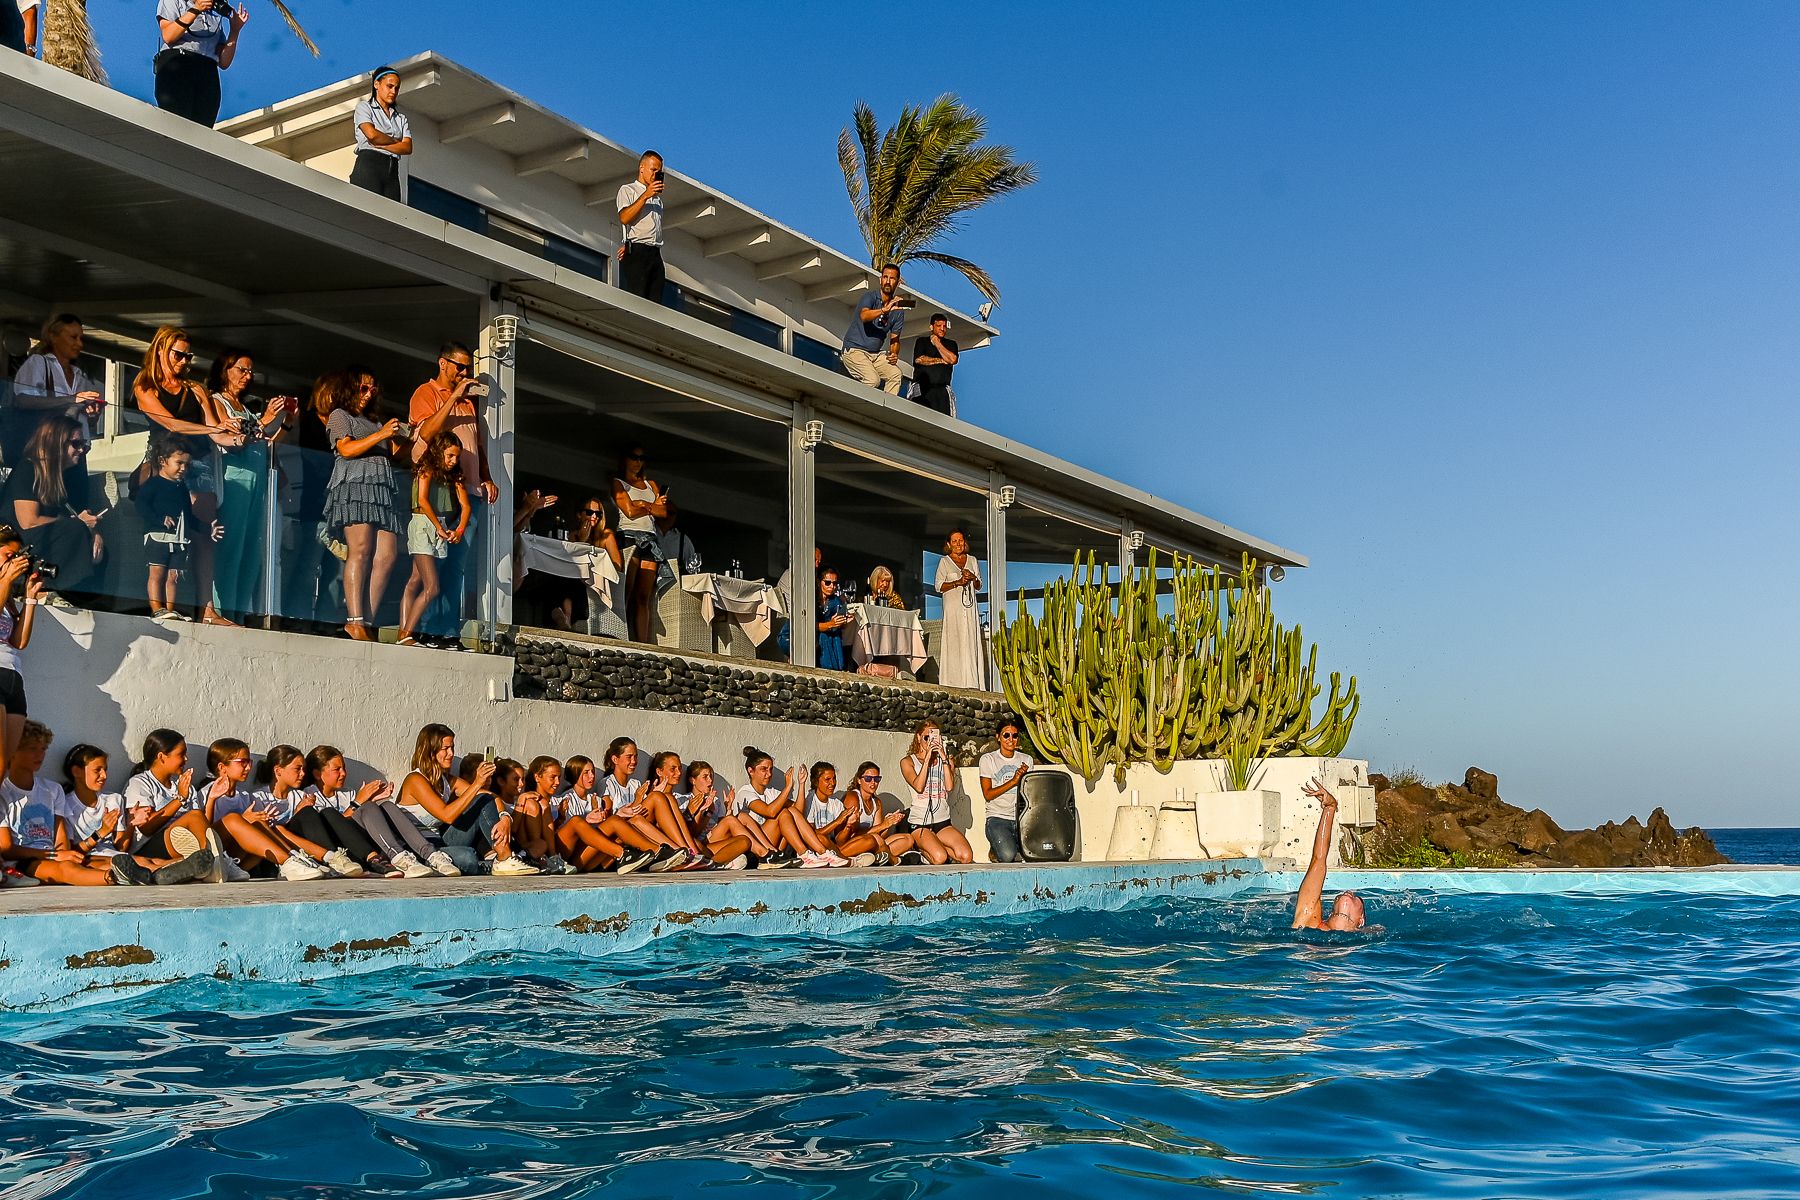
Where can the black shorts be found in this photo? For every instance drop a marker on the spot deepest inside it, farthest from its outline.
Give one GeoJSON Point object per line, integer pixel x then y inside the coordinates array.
{"type": "Point", "coordinates": [12, 693]}
{"type": "Point", "coordinates": [905, 825]}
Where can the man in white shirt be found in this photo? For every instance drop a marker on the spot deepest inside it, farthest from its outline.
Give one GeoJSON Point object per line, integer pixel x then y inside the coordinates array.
{"type": "Point", "coordinates": [1002, 771]}
{"type": "Point", "coordinates": [641, 213]}
{"type": "Point", "coordinates": [30, 16]}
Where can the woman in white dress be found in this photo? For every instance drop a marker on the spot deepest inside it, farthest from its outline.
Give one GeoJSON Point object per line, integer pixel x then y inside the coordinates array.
{"type": "Point", "coordinates": [962, 660]}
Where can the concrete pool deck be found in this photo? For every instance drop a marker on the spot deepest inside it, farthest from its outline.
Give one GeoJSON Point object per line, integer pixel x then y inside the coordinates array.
{"type": "Point", "coordinates": [81, 945]}
{"type": "Point", "coordinates": [86, 945]}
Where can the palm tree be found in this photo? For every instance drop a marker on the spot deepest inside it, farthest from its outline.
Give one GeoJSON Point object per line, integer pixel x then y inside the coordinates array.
{"type": "Point", "coordinates": [69, 37]}
{"type": "Point", "coordinates": [913, 185]}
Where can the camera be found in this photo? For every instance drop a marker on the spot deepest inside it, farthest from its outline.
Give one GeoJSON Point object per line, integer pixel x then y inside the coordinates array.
{"type": "Point", "coordinates": [38, 565]}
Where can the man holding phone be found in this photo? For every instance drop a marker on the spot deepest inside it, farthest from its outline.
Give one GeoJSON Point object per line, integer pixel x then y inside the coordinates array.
{"type": "Point", "coordinates": [641, 213]}
{"type": "Point", "coordinates": [872, 343]}
{"type": "Point", "coordinates": [452, 401]}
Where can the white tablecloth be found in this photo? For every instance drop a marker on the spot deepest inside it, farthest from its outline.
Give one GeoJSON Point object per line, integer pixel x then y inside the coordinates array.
{"type": "Point", "coordinates": [571, 560]}
{"type": "Point", "coordinates": [883, 632]}
{"type": "Point", "coordinates": [749, 603]}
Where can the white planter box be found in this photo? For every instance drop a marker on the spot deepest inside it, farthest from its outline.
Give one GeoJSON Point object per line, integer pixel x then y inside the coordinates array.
{"type": "Point", "coordinates": [1239, 824]}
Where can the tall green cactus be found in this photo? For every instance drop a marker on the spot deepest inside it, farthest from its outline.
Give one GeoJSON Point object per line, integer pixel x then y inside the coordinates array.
{"type": "Point", "coordinates": [1108, 674]}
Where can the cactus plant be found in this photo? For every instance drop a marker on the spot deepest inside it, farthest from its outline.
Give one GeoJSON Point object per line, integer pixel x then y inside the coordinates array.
{"type": "Point", "coordinates": [1107, 674]}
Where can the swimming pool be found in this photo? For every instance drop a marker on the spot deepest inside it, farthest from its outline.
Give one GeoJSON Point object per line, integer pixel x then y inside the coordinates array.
{"type": "Point", "coordinates": [1633, 1046]}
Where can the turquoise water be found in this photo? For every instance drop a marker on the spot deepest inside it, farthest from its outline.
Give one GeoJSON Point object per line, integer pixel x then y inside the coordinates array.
{"type": "Point", "coordinates": [1477, 1046]}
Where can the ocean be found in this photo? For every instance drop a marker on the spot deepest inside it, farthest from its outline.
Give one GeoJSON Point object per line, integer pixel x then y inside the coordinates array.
{"type": "Point", "coordinates": [1759, 845]}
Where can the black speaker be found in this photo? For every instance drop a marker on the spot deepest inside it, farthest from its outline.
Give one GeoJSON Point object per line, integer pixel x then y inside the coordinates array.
{"type": "Point", "coordinates": [1047, 822]}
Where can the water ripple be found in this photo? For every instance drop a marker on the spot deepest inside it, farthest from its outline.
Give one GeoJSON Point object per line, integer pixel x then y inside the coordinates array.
{"type": "Point", "coordinates": [1476, 1046]}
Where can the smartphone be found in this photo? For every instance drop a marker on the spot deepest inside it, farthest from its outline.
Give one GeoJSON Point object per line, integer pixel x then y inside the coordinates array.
{"type": "Point", "coordinates": [658, 176]}
{"type": "Point", "coordinates": [407, 430]}
{"type": "Point", "coordinates": [904, 302]}
{"type": "Point", "coordinates": [477, 389]}
{"type": "Point", "coordinates": [489, 756]}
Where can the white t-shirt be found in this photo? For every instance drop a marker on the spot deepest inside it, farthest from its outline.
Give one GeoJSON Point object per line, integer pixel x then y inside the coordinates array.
{"type": "Point", "coordinates": [336, 802]}
{"type": "Point", "coordinates": [620, 794]}
{"type": "Point", "coordinates": [31, 815]}
{"type": "Point", "coordinates": [820, 813]}
{"type": "Point", "coordinates": [647, 229]}
{"type": "Point", "coordinates": [997, 768]}
{"type": "Point", "coordinates": [740, 800]}
{"type": "Point", "coordinates": [143, 790]}
{"type": "Point", "coordinates": [236, 802]}
{"type": "Point", "coordinates": [84, 822]}
{"type": "Point", "coordinates": [43, 375]}
{"type": "Point", "coordinates": [283, 809]}
{"type": "Point", "coordinates": [572, 804]}
{"type": "Point", "coordinates": [370, 112]}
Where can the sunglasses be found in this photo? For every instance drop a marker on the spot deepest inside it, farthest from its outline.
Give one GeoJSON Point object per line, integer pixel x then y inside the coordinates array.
{"type": "Point", "coordinates": [870, 778]}
{"type": "Point", "coordinates": [462, 368]}
{"type": "Point", "coordinates": [592, 512]}
{"type": "Point", "coordinates": [638, 457]}
{"type": "Point", "coordinates": [1009, 737]}
{"type": "Point", "coordinates": [829, 582]}
{"type": "Point", "coordinates": [182, 355]}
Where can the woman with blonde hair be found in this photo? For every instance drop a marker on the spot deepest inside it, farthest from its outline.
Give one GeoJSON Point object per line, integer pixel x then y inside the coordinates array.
{"type": "Point", "coordinates": [881, 589]}
{"type": "Point", "coordinates": [930, 772]}
{"type": "Point", "coordinates": [50, 383]}
{"type": "Point", "coordinates": [166, 395]}
{"type": "Point", "coordinates": [962, 659]}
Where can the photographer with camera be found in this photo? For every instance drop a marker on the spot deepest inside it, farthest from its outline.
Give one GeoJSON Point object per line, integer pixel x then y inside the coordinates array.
{"type": "Point", "coordinates": [871, 351]}
{"type": "Point", "coordinates": [21, 591]}
{"type": "Point", "coordinates": [451, 402]}
{"type": "Point", "coordinates": [45, 499]}
{"type": "Point", "coordinates": [199, 39]}
{"type": "Point", "coordinates": [641, 213]}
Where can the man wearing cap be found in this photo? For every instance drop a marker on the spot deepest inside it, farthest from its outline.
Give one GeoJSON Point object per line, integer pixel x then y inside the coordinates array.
{"type": "Point", "coordinates": [641, 213]}
{"type": "Point", "coordinates": [934, 359]}
{"type": "Point", "coordinates": [872, 343]}
{"type": "Point", "coordinates": [383, 136]}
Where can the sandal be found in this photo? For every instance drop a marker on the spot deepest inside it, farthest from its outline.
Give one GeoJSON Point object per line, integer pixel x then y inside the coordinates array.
{"type": "Point", "coordinates": [212, 617]}
{"type": "Point", "coordinates": [406, 639]}
{"type": "Point", "coordinates": [358, 631]}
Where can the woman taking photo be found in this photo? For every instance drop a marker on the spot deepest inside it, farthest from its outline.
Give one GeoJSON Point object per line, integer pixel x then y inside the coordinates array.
{"type": "Point", "coordinates": [469, 816]}
{"type": "Point", "coordinates": [48, 383]}
{"type": "Point", "coordinates": [834, 620]}
{"type": "Point", "coordinates": [641, 505]}
{"type": "Point", "coordinates": [164, 393]}
{"type": "Point", "coordinates": [383, 136]}
{"type": "Point", "coordinates": [198, 40]}
{"type": "Point", "coordinates": [361, 504]}
{"type": "Point", "coordinates": [243, 481]}
{"type": "Point", "coordinates": [962, 660]}
{"type": "Point", "coordinates": [44, 500]}
{"type": "Point", "coordinates": [931, 774]}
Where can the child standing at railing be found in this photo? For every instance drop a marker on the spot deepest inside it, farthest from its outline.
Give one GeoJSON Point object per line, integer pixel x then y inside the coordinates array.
{"type": "Point", "coordinates": [168, 521]}
{"type": "Point", "coordinates": [437, 486]}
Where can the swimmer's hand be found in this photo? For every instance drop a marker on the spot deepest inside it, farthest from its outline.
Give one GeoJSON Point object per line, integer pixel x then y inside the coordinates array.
{"type": "Point", "coordinates": [1318, 791]}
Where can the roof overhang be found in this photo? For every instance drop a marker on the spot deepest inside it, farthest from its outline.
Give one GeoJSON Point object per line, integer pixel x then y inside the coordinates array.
{"type": "Point", "coordinates": [120, 207]}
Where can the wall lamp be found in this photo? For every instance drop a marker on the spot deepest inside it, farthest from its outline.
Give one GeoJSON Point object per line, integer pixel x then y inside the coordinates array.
{"type": "Point", "coordinates": [505, 331]}
{"type": "Point", "coordinates": [1136, 539]}
{"type": "Point", "coordinates": [1009, 495]}
{"type": "Point", "coordinates": [1276, 574]}
{"type": "Point", "coordinates": [812, 433]}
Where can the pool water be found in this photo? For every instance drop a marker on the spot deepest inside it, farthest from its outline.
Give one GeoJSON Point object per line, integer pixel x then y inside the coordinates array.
{"type": "Point", "coordinates": [1476, 1046]}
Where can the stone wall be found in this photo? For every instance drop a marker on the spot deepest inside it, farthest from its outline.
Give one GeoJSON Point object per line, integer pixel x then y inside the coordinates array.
{"type": "Point", "coordinates": [606, 673]}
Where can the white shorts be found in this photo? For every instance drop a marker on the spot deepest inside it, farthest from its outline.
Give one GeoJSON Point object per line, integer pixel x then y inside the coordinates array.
{"type": "Point", "coordinates": [422, 537]}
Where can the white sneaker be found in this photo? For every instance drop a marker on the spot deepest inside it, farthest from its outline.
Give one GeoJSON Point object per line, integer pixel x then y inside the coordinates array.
{"type": "Point", "coordinates": [299, 869]}
{"type": "Point", "coordinates": [834, 859]}
{"type": "Point", "coordinates": [443, 864]}
{"type": "Point", "coordinates": [342, 865]}
{"type": "Point", "coordinates": [411, 867]}
{"type": "Point", "coordinates": [809, 860]}
{"type": "Point", "coordinates": [739, 863]}
{"type": "Point", "coordinates": [865, 859]}
{"type": "Point", "coordinates": [514, 865]}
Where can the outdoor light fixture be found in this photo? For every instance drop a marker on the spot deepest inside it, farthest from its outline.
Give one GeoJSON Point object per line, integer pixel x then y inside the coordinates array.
{"type": "Point", "coordinates": [1137, 539]}
{"type": "Point", "coordinates": [812, 434]}
{"type": "Point", "coordinates": [1276, 574]}
{"type": "Point", "coordinates": [985, 310]}
{"type": "Point", "coordinates": [505, 330]}
{"type": "Point", "coordinates": [1008, 494]}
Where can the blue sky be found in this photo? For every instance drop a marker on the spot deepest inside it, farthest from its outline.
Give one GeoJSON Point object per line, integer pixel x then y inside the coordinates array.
{"type": "Point", "coordinates": [1489, 310]}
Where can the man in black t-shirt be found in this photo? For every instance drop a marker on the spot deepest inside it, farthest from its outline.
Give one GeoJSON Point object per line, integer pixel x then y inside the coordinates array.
{"type": "Point", "coordinates": [934, 360]}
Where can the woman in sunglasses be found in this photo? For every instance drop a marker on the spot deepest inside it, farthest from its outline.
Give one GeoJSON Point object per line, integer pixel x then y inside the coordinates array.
{"type": "Point", "coordinates": [166, 395]}
{"type": "Point", "coordinates": [569, 606]}
{"type": "Point", "coordinates": [866, 829]}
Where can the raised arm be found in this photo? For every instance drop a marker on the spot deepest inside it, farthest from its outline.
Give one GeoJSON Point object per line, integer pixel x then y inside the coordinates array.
{"type": "Point", "coordinates": [1309, 906]}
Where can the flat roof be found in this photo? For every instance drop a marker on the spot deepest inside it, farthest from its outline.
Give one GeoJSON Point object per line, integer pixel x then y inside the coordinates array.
{"type": "Point", "coordinates": [113, 207]}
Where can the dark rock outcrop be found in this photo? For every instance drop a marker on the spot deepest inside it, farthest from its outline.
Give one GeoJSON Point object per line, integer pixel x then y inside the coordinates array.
{"type": "Point", "coordinates": [1471, 824]}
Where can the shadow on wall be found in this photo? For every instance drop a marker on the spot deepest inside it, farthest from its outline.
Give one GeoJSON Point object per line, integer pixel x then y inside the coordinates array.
{"type": "Point", "coordinates": [97, 717]}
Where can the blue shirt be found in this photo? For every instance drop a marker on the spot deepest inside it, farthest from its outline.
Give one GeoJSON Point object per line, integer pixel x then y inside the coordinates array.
{"type": "Point", "coordinates": [872, 335]}
{"type": "Point", "coordinates": [204, 37]}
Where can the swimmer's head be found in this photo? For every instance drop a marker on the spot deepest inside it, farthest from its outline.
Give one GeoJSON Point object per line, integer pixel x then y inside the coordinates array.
{"type": "Point", "coordinates": [1346, 912]}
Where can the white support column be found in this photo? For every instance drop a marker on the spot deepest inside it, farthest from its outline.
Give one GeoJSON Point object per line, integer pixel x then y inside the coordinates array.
{"type": "Point", "coordinates": [996, 567]}
{"type": "Point", "coordinates": [495, 366]}
{"type": "Point", "coordinates": [803, 604]}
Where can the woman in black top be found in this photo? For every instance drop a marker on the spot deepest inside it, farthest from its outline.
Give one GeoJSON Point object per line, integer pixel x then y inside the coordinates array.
{"type": "Point", "coordinates": [38, 502]}
{"type": "Point", "coordinates": [309, 570]}
{"type": "Point", "coordinates": [168, 397]}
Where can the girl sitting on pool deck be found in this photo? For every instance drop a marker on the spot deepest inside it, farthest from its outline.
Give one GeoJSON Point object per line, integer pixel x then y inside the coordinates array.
{"type": "Point", "coordinates": [621, 792]}
{"type": "Point", "coordinates": [930, 772]}
{"type": "Point", "coordinates": [395, 831]}
{"type": "Point", "coordinates": [467, 815]}
{"type": "Point", "coordinates": [866, 829]}
{"type": "Point", "coordinates": [588, 831]}
{"type": "Point", "coordinates": [162, 808]}
{"type": "Point", "coordinates": [759, 800]}
{"type": "Point", "coordinates": [348, 851]}
{"type": "Point", "coordinates": [250, 821]}
{"type": "Point", "coordinates": [659, 796]}
{"type": "Point", "coordinates": [729, 839]}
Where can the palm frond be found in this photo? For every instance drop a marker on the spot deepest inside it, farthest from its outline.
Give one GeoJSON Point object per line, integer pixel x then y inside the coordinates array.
{"type": "Point", "coordinates": [984, 283]}
{"type": "Point", "coordinates": [293, 24]}
{"type": "Point", "coordinates": [913, 184]}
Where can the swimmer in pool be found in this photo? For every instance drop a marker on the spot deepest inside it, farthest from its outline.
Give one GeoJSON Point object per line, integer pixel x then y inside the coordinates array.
{"type": "Point", "coordinates": [1347, 911]}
